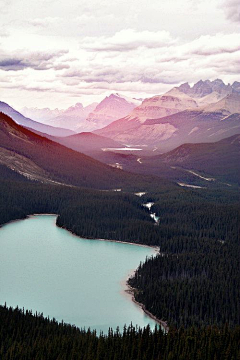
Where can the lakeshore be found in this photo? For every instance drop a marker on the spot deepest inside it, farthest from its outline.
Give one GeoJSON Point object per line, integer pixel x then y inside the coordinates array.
{"type": "Point", "coordinates": [68, 261]}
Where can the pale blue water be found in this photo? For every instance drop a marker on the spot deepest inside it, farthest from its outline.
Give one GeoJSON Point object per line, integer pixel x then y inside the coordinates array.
{"type": "Point", "coordinates": [49, 270]}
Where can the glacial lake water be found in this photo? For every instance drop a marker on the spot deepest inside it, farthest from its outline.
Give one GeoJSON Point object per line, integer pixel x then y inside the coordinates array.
{"type": "Point", "coordinates": [47, 269]}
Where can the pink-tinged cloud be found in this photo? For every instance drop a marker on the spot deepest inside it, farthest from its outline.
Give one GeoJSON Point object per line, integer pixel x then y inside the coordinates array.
{"type": "Point", "coordinates": [232, 10]}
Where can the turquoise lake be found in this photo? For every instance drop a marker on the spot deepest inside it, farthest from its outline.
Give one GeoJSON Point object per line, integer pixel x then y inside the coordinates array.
{"type": "Point", "coordinates": [79, 281]}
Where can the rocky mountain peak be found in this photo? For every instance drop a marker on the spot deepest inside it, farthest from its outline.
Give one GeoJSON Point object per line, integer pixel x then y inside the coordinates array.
{"type": "Point", "coordinates": [205, 87]}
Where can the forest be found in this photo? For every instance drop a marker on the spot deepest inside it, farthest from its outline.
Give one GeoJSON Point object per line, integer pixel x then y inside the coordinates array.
{"type": "Point", "coordinates": [27, 336]}
{"type": "Point", "coordinates": [193, 283]}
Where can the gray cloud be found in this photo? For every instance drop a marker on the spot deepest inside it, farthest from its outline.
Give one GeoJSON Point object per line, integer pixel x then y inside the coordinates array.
{"type": "Point", "coordinates": [232, 10]}
{"type": "Point", "coordinates": [12, 64]}
{"type": "Point", "coordinates": [33, 60]}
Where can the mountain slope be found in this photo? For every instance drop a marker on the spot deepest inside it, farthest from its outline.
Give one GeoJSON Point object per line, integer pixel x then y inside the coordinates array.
{"type": "Point", "coordinates": [183, 114]}
{"type": "Point", "coordinates": [45, 159]}
{"type": "Point", "coordinates": [74, 117]}
{"type": "Point", "coordinates": [203, 124]}
{"type": "Point", "coordinates": [86, 142]}
{"type": "Point", "coordinates": [111, 108]}
{"type": "Point", "coordinates": [163, 105]}
{"type": "Point", "coordinates": [34, 125]}
{"type": "Point", "coordinates": [201, 164]}
{"type": "Point", "coordinates": [228, 105]}
{"type": "Point", "coordinates": [156, 107]}
{"type": "Point", "coordinates": [220, 159]}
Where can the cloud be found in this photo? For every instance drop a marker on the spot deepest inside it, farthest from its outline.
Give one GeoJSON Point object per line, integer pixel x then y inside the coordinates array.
{"type": "Point", "coordinates": [149, 63]}
{"type": "Point", "coordinates": [128, 39]}
{"type": "Point", "coordinates": [4, 5]}
{"type": "Point", "coordinates": [21, 59]}
{"type": "Point", "coordinates": [232, 10]}
{"type": "Point", "coordinates": [211, 45]}
{"type": "Point", "coordinates": [44, 22]}
{"type": "Point", "coordinates": [169, 64]}
{"type": "Point", "coordinates": [12, 64]}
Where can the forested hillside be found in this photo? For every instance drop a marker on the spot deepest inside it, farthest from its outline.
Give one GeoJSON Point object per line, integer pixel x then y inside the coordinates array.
{"type": "Point", "coordinates": [195, 279]}
{"type": "Point", "coordinates": [25, 336]}
{"type": "Point", "coordinates": [86, 212]}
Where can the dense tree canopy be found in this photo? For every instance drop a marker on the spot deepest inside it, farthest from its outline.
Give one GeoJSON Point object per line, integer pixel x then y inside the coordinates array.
{"type": "Point", "coordinates": [194, 282]}
{"type": "Point", "coordinates": [27, 336]}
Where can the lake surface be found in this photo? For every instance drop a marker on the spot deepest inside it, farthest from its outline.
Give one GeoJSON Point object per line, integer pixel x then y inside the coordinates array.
{"type": "Point", "coordinates": [49, 270]}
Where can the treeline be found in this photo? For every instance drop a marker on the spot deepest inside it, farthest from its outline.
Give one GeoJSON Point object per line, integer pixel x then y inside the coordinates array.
{"type": "Point", "coordinates": [27, 336]}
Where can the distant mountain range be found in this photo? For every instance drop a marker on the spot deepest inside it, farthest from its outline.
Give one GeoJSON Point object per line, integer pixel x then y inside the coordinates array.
{"type": "Point", "coordinates": [72, 118]}
{"type": "Point", "coordinates": [41, 115]}
{"type": "Point", "coordinates": [110, 109]}
{"type": "Point", "coordinates": [79, 118]}
{"type": "Point", "coordinates": [204, 88]}
{"type": "Point", "coordinates": [208, 111]}
{"type": "Point", "coordinates": [163, 122]}
{"type": "Point", "coordinates": [34, 125]}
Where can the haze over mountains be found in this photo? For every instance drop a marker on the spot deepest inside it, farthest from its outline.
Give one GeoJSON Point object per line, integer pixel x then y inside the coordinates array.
{"type": "Point", "coordinates": [169, 120]}
{"type": "Point", "coordinates": [79, 118]}
{"type": "Point", "coordinates": [34, 125]}
{"type": "Point", "coordinates": [74, 117]}
{"type": "Point", "coordinates": [207, 111]}
{"type": "Point", "coordinates": [111, 108]}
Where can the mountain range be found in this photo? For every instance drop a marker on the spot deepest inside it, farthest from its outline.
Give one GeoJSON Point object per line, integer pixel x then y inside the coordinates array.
{"type": "Point", "coordinates": [205, 112]}
{"type": "Point", "coordinates": [70, 118]}
{"type": "Point", "coordinates": [166, 121]}
{"type": "Point", "coordinates": [31, 124]}
{"type": "Point", "coordinates": [202, 89]}
{"type": "Point", "coordinates": [79, 118]}
{"type": "Point", "coordinates": [40, 159]}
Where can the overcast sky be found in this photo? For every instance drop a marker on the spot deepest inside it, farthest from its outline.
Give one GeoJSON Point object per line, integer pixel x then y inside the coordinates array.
{"type": "Point", "coordinates": [54, 53]}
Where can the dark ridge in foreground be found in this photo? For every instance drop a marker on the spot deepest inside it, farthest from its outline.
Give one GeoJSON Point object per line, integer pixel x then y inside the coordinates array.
{"type": "Point", "coordinates": [25, 336]}
{"type": "Point", "coordinates": [41, 159]}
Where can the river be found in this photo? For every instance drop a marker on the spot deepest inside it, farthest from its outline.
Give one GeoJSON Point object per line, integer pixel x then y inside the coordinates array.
{"type": "Point", "coordinates": [82, 282]}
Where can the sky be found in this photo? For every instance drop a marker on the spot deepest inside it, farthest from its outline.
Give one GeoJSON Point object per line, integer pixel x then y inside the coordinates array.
{"type": "Point", "coordinates": [55, 53]}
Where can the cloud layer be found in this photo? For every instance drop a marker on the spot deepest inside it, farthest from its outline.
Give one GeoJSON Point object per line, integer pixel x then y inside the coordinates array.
{"type": "Point", "coordinates": [232, 10]}
{"type": "Point", "coordinates": [55, 53]}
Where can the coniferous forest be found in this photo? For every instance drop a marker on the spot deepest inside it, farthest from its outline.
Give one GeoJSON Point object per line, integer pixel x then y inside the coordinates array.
{"type": "Point", "coordinates": [28, 336]}
{"type": "Point", "coordinates": [193, 283]}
